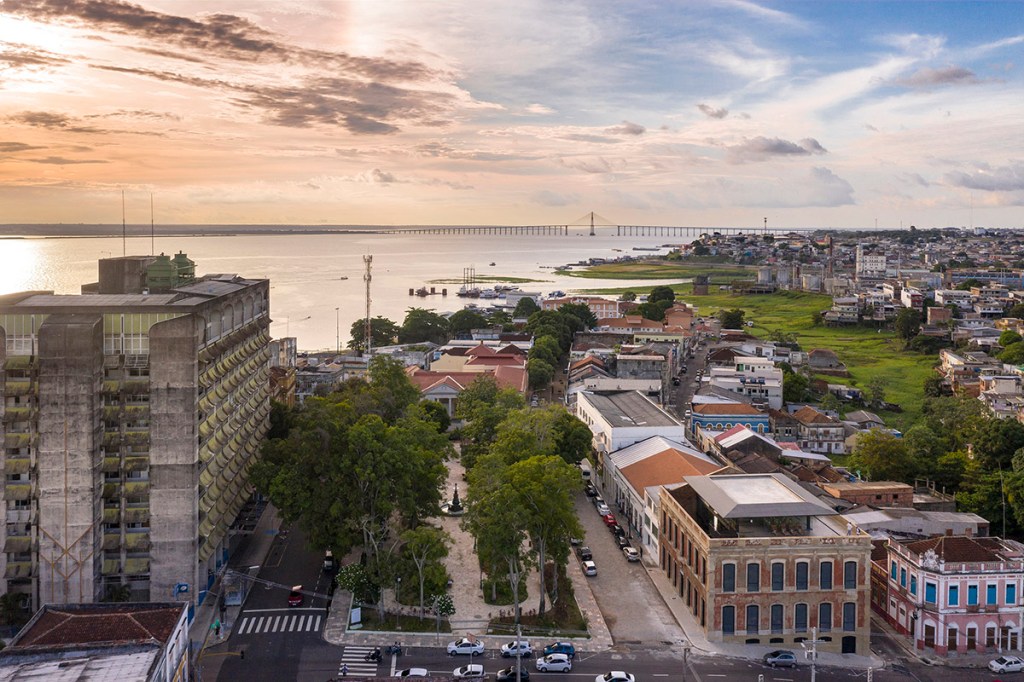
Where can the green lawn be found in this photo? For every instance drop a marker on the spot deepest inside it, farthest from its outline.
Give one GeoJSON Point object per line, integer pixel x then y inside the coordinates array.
{"type": "Point", "coordinates": [661, 270]}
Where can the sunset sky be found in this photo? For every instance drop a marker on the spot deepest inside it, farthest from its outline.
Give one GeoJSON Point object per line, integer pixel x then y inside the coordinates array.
{"type": "Point", "coordinates": [714, 113]}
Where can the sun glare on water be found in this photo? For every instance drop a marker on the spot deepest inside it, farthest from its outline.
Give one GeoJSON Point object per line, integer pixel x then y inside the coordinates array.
{"type": "Point", "coordinates": [19, 259]}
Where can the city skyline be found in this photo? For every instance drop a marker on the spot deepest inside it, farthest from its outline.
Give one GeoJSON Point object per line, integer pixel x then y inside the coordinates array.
{"type": "Point", "coordinates": [719, 113]}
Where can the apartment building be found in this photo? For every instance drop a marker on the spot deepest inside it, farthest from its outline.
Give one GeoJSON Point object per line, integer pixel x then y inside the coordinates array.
{"type": "Point", "coordinates": [130, 418]}
{"type": "Point", "coordinates": [755, 378]}
{"type": "Point", "coordinates": [953, 594]}
{"type": "Point", "coordinates": [759, 560]}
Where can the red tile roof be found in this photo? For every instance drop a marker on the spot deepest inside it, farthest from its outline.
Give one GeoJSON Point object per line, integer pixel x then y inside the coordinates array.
{"type": "Point", "coordinates": [108, 623]}
{"type": "Point", "coordinates": [809, 415]}
{"type": "Point", "coordinates": [960, 549]}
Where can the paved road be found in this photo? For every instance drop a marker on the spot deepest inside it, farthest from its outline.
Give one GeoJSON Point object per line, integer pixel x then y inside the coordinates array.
{"type": "Point", "coordinates": [632, 606]}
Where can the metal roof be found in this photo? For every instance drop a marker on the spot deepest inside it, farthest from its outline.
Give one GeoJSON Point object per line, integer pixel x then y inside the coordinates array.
{"type": "Point", "coordinates": [748, 496]}
{"type": "Point", "coordinates": [628, 409]}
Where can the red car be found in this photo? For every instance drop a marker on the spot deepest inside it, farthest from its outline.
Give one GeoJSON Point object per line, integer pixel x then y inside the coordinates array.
{"type": "Point", "coordinates": [609, 519]}
{"type": "Point", "coordinates": [295, 597]}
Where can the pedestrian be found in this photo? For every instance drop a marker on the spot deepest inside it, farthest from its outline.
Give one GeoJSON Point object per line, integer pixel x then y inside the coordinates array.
{"type": "Point", "coordinates": [344, 669]}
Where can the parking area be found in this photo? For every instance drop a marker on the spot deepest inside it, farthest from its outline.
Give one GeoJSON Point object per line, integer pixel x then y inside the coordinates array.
{"type": "Point", "coordinates": [633, 608]}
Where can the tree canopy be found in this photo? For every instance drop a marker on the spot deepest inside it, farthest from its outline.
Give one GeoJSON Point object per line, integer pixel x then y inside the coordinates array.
{"type": "Point", "coordinates": [881, 456]}
{"type": "Point", "coordinates": [383, 332]}
{"type": "Point", "coordinates": [423, 325]}
{"type": "Point", "coordinates": [525, 307]}
{"type": "Point", "coordinates": [661, 293]}
{"type": "Point", "coordinates": [731, 319]}
{"type": "Point", "coordinates": [463, 321]}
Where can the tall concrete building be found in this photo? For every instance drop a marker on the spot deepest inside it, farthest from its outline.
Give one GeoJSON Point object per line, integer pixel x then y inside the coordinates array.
{"type": "Point", "coordinates": [131, 415]}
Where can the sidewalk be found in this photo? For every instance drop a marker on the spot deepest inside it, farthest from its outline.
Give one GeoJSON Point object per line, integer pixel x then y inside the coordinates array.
{"type": "Point", "coordinates": [250, 552]}
{"type": "Point", "coordinates": [472, 613]}
{"type": "Point", "coordinates": [977, 660]}
{"type": "Point", "coordinates": [695, 634]}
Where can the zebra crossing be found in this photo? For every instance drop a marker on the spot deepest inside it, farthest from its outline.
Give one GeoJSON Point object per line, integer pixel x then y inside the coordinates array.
{"type": "Point", "coordinates": [355, 658]}
{"type": "Point", "coordinates": [270, 624]}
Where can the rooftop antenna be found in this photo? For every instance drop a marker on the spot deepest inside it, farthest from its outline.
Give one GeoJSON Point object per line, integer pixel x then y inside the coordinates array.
{"type": "Point", "coordinates": [152, 228]}
{"type": "Point", "coordinates": [367, 329]}
{"type": "Point", "coordinates": [124, 229]}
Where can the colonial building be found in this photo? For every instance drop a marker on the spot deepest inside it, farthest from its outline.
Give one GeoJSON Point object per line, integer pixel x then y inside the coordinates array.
{"type": "Point", "coordinates": [130, 419]}
{"type": "Point", "coordinates": [759, 560]}
{"type": "Point", "coordinates": [953, 594]}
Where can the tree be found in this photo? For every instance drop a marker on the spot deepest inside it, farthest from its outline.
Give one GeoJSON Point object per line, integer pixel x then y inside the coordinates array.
{"type": "Point", "coordinates": [876, 389]}
{"type": "Point", "coordinates": [934, 386]}
{"type": "Point", "coordinates": [996, 440]}
{"type": "Point", "coordinates": [882, 456]}
{"type": "Point", "coordinates": [661, 293]}
{"type": "Point", "coordinates": [794, 387]}
{"type": "Point", "coordinates": [573, 438]}
{"type": "Point", "coordinates": [443, 607]}
{"type": "Point", "coordinates": [1007, 337]}
{"type": "Point", "coordinates": [628, 296]}
{"type": "Point", "coordinates": [423, 325]}
{"type": "Point", "coordinates": [1017, 311]}
{"type": "Point", "coordinates": [424, 545]}
{"type": "Point", "coordinates": [907, 323]}
{"type": "Point", "coordinates": [581, 311]}
{"type": "Point", "coordinates": [967, 284]}
{"type": "Point", "coordinates": [830, 403]}
{"type": "Point", "coordinates": [546, 348]}
{"type": "Point", "coordinates": [525, 307]}
{"type": "Point", "coordinates": [1013, 354]}
{"type": "Point", "coordinates": [731, 319]}
{"type": "Point", "coordinates": [701, 250]}
{"type": "Point", "coordinates": [435, 413]}
{"type": "Point", "coordinates": [483, 406]}
{"type": "Point", "coordinates": [463, 321]}
{"type": "Point", "coordinates": [383, 332]}
{"type": "Point", "coordinates": [541, 373]}
{"type": "Point", "coordinates": [652, 310]}
{"type": "Point", "coordinates": [390, 390]}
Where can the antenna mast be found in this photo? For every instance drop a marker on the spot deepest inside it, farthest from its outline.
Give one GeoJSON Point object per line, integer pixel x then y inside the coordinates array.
{"type": "Point", "coordinates": [124, 229]}
{"type": "Point", "coordinates": [367, 328]}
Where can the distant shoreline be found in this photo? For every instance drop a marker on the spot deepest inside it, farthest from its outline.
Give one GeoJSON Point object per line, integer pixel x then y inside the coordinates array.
{"type": "Point", "coordinates": [59, 231]}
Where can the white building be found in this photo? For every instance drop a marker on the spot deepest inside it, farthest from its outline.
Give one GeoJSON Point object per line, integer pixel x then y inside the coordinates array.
{"type": "Point", "coordinates": [756, 378]}
{"type": "Point", "coordinates": [621, 418]}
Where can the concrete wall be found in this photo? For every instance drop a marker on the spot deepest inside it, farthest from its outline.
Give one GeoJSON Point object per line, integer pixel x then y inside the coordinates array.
{"type": "Point", "coordinates": [70, 435]}
{"type": "Point", "coordinates": [173, 455]}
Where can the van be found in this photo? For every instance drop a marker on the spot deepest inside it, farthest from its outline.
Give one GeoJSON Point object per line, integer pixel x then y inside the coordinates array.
{"type": "Point", "coordinates": [585, 470]}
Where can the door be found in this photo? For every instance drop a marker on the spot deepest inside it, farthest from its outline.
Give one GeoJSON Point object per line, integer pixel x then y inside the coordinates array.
{"type": "Point", "coordinates": [951, 639]}
{"type": "Point", "coordinates": [929, 636]}
{"type": "Point", "coordinates": [972, 638]}
{"type": "Point", "coordinates": [849, 644]}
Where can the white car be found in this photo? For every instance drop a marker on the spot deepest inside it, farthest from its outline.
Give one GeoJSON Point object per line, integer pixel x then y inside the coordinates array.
{"type": "Point", "coordinates": [631, 554]}
{"type": "Point", "coordinates": [412, 672]}
{"type": "Point", "coordinates": [615, 676]}
{"type": "Point", "coordinates": [554, 663]}
{"type": "Point", "coordinates": [474, 671]}
{"type": "Point", "coordinates": [466, 646]}
{"type": "Point", "coordinates": [1006, 664]}
{"type": "Point", "coordinates": [589, 568]}
{"type": "Point", "coordinates": [603, 509]}
{"type": "Point", "coordinates": [520, 648]}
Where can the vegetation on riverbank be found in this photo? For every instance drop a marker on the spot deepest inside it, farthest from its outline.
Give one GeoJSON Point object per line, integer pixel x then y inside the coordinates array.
{"type": "Point", "coordinates": [498, 279]}
{"type": "Point", "coordinates": [652, 269]}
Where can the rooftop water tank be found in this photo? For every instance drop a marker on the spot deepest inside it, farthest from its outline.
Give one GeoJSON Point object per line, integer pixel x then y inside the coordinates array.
{"type": "Point", "coordinates": [162, 274]}
{"type": "Point", "coordinates": [186, 267]}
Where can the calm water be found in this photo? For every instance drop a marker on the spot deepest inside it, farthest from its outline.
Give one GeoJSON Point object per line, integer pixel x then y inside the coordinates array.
{"type": "Point", "coordinates": [305, 270]}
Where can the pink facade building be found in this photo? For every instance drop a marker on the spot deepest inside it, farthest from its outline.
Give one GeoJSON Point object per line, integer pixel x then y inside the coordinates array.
{"type": "Point", "coordinates": [953, 594]}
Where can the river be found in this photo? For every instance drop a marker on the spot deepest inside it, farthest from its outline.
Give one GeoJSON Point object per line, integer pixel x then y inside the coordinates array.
{"type": "Point", "coordinates": [311, 275]}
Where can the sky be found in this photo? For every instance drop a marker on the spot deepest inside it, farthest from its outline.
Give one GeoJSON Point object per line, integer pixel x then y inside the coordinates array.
{"type": "Point", "coordinates": [702, 113]}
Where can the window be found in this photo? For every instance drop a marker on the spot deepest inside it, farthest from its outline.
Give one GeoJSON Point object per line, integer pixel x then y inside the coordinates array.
{"type": "Point", "coordinates": [850, 575]}
{"type": "Point", "coordinates": [778, 574]}
{"type": "Point", "coordinates": [753, 577]}
{"type": "Point", "coordinates": [929, 593]}
{"type": "Point", "coordinates": [728, 620]}
{"type": "Point", "coordinates": [892, 571]}
{"type": "Point", "coordinates": [776, 619]}
{"type": "Point", "coordinates": [824, 617]}
{"type": "Point", "coordinates": [801, 575]}
{"type": "Point", "coordinates": [972, 595]}
{"type": "Point", "coordinates": [849, 616]}
{"type": "Point", "coordinates": [728, 577]}
{"type": "Point", "coordinates": [825, 575]}
{"type": "Point", "coordinates": [991, 594]}
{"type": "Point", "coordinates": [1011, 594]}
{"type": "Point", "coordinates": [800, 618]}
{"type": "Point", "coordinates": [954, 595]}
{"type": "Point", "coordinates": [913, 585]}
{"type": "Point", "coordinates": [753, 618]}
{"type": "Point", "coordinates": [903, 577]}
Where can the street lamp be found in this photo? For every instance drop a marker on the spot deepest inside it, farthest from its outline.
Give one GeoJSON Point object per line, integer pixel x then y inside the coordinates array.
{"type": "Point", "coordinates": [398, 588]}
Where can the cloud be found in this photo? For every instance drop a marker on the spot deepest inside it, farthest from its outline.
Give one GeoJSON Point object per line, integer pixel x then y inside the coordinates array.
{"type": "Point", "coordinates": [539, 109]}
{"type": "Point", "coordinates": [627, 128]}
{"type": "Point", "coordinates": [828, 189]}
{"type": "Point", "coordinates": [766, 13]}
{"type": "Point", "coordinates": [987, 179]}
{"type": "Point", "coordinates": [595, 165]}
{"type": "Point", "coordinates": [9, 147]}
{"type": "Point", "coordinates": [763, 148]}
{"type": "Point", "coordinates": [546, 197]}
{"type": "Point", "coordinates": [224, 36]}
{"type": "Point", "coordinates": [927, 78]}
{"type": "Point", "coordinates": [597, 139]}
{"type": "Point", "coordinates": [19, 56]}
{"type": "Point", "coordinates": [61, 161]}
{"type": "Point", "coordinates": [712, 112]}
{"type": "Point", "coordinates": [52, 121]}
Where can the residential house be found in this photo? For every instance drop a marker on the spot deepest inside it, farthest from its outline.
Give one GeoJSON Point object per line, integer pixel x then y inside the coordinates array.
{"type": "Point", "coordinates": [817, 432]}
{"type": "Point", "coordinates": [723, 416]}
{"type": "Point", "coordinates": [756, 378]}
{"type": "Point", "coordinates": [601, 307]}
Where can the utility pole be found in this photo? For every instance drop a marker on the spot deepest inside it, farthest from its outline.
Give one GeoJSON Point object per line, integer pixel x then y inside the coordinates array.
{"type": "Point", "coordinates": [812, 652]}
{"type": "Point", "coordinates": [519, 652]}
{"type": "Point", "coordinates": [686, 654]}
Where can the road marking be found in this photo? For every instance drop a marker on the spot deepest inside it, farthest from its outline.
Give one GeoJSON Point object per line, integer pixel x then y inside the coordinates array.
{"type": "Point", "coordinates": [292, 609]}
{"type": "Point", "coordinates": [317, 628]}
{"type": "Point", "coordinates": [276, 619]}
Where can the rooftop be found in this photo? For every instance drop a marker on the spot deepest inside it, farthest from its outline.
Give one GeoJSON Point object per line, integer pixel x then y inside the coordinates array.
{"type": "Point", "coordinates": [747, 496]}
{"type": "Point", "coordinates": [628, 409]}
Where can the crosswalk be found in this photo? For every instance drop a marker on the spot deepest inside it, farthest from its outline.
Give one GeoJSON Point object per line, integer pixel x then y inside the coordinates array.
{"type": "Point", "coordinates": [354, 657]}
{"type": "Point", "coordinates": [277, 623]}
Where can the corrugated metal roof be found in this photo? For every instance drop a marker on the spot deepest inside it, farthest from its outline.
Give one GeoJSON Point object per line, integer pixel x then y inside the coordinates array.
{"type": "Point", "coordinates": [96, 667]}
{"type": "Point", "coordinates": [652, 446]}
{"type": "Point", "coordinates": [756, 496]}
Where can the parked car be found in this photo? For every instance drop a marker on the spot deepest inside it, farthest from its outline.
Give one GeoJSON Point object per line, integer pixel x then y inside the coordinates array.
{"type": "Point", "coordinates": [780, 658]}
{"type": "Point", "coordinates": [622, 541]}
{"type": "Point", "coordinates": [1006, 664]}
{"type": "Point", "coordinates": [295, 598]}
{"type": "Point", "coordinates": [330, 564]}
{"type": "Point", "coordinates": [413, 672]}
{"type": "Point", "coordinates": [584, 554]}
{"type": "Point", "coordinates": [598, 500]}
{"type": "Point", "coordinates": [520, 648]}
{"type": "Point", "coordinates": [590, 489]}
{"type": "Point", "coordinates": [609, 519]}
{"type": "Point", "coordinates": [631, 554]}
{"type": "Point", "coordinates": [589, 568]}
{"type": "Point", "coordinates": [465, 646]}
{"type": "Point", "coordinates": [675, 381]}
{"type": "Point", "coordinates": [509, 674]}
{"type": "Point", "coordinates": [473, 671]}
{"type": "Point", "coordinates": [615, 676]}
{"type": "Point", "coordinates": [575, 541]}
{"type": "Point", "coordinates": [566, 648]}
{"type": "Point", "coordinates": [603, 509]}
{"type": "Point", "coordinates": [617, 530]}
{"type": "Point", "coordinates": [554, 663]}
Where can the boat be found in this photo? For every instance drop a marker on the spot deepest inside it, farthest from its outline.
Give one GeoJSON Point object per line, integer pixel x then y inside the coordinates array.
{"type": "Point", "coordinates": [422, 291]}
{"type": "Point", "coordinates": [492, 264]}
{"type": "Point", "coordinates": [488, 293]}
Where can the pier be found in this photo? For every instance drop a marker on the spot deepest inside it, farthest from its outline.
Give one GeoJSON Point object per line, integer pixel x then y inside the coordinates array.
{"type": "Point", "coordinates": [555, 230]}
{"type": "Point", "coordinates": [594, 230]}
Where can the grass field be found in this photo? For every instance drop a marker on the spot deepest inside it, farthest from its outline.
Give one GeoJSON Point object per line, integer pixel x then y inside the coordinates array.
{"type": "Point", "coordinates": [867, 353]}
{"type": "Point", "coordinates": [661, 270]}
